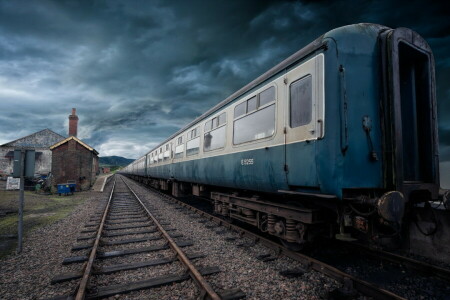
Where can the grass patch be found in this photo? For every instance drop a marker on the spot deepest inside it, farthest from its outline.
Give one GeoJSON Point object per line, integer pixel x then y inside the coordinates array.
{"type": "Point", "coordinates": [39, 210]}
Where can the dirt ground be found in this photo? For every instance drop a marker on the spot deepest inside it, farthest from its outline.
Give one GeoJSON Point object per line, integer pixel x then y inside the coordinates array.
{"type": "Point", "coordinates": [39, 210]}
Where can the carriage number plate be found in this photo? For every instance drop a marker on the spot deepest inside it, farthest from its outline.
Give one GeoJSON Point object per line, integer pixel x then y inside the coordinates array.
{"type": "Point", "coordinates": [247, 161]}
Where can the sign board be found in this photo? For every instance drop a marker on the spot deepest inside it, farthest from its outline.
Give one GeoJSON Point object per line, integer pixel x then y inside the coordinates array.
{"type": "Point", "coordinates": [29, 162]}
{"type": "Point", "coordinates": [12, 183]}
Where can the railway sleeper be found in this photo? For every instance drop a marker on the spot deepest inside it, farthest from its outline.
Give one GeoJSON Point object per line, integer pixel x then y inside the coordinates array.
{"type": "Point", "coordinates": [122, 267]}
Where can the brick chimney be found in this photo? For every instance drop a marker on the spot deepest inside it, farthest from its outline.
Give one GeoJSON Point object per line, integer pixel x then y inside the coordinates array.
{"type": "Point", "coordinates": [73, 123]}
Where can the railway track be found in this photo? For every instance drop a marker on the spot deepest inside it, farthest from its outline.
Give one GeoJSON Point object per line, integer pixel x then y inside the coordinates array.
{"type": "Point", "coordinates": [350, 282]}
{"type": "Point", "coordinates": [127, 227]}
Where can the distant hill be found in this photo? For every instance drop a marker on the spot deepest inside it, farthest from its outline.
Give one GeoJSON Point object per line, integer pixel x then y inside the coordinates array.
{"type": "Point", "coordinates": [115, 161]}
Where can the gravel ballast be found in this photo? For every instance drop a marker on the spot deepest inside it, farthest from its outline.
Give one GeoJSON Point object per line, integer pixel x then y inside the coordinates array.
{"type": "Point", "coordinates": [27, 275]}
{"type": "Point", "coordinates": [240, 266]}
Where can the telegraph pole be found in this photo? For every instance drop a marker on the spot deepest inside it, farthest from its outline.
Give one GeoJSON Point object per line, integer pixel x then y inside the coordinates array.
{"type": "Point", "coordinates": [24, 161]}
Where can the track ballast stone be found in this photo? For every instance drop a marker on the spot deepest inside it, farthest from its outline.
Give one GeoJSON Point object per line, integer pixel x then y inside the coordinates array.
{"type": "Point", "coordinates": [240, 267]}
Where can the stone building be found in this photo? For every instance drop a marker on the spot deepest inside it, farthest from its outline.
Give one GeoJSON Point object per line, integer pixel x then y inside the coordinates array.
{"type": "Point", "coordinates": [40, 142]}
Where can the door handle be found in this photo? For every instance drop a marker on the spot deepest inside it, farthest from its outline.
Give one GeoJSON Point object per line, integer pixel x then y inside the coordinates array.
{"type": "Point", "coordinates": [320, 121]}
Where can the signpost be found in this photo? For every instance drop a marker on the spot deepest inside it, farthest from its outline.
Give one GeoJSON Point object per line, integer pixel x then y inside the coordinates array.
{"type": "Point", "coordinates": [24, 161]}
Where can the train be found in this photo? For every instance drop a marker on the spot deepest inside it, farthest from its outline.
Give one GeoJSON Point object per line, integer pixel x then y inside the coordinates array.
{"type": "Point", "coordinates": [340, 139]}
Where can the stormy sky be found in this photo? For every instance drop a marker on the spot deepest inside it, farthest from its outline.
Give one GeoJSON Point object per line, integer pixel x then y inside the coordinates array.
{"type": "Point", "coordinates": [137, 71]}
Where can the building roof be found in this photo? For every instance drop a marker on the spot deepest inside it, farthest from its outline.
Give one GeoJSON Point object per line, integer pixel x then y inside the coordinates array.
{"type": "Point", "coordinates": [41, 139]}
{"type": "Point", "coordinates": [75, 139]}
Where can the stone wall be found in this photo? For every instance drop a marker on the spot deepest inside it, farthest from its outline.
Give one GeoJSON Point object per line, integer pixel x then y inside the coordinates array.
{"type": "Point", "coordinates": [43, 163]}
{"type": "Point", "coordinates": [40, 142]}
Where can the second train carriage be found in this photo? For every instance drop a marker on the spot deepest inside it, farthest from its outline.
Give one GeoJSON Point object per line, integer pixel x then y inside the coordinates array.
{"type": "Point", "coordinates": [342, 132]}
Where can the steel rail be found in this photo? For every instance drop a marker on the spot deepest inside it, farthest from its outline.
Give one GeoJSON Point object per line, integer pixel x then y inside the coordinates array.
{"type": "Point", "coordinates": [81, 292]}
{"type": "Point", "coordinates": [195, 274]}
{"type": "Point", "coordinates": [361, 286]}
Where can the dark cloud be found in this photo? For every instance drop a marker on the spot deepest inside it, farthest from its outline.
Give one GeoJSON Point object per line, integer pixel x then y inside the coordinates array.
{"type": "Point", "coordinates": [137, 71]}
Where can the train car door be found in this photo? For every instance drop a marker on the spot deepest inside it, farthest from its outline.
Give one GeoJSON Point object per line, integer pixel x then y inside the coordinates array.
{"type": "Point", "coordinates": [304, 121]}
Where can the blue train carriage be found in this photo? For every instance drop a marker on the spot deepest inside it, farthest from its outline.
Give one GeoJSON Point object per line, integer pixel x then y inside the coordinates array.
{"type": "Point", "coordinates": [341, 133]}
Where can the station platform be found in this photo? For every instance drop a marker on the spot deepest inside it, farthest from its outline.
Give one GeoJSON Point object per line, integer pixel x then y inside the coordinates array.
{"type": "Point", "coordinates": [100, 183]}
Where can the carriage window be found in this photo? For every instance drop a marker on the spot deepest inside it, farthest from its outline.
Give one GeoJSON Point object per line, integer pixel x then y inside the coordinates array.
{"type": "Point", "coordinates": [258, 121]}
{"type": "Point", "coordinates": [193, 146]}
{"type": "Point", "coordinates": [167, 153]}
{"type": "Point", "coordinates": [179, 150]}
{"type": "Point", "coordinates": [251, 104]}
{"type": "Point", "coordinates": [267, 96]}
{"type": "Point", "coordinates": [215, 138]}
{"type": "Point", "coordinates": [222, 119]}
{"type": "Point", "coordinates": [255, 126]}
{"type": "Point", "coordinates": [301, 102]}
{"type": "Point", "coordinates": [208, 125]}
{"type": "Point", "coordinates": [215, 122]}
{"type": "Point", "coordinates": [193, 133]}
{"type": "Point", "coordinates": [240, 109]}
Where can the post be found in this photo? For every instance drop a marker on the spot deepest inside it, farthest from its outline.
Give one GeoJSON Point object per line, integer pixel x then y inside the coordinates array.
{"type": "Point", "coordinates": [21, 197]}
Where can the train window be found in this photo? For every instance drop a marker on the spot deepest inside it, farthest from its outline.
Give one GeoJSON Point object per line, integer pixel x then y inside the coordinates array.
{"type": "Point", "coordinates": [166, 155]}
{"type": "Point", "coordinates": [215, 138]}
{"type": "Point", "coordinates": [222, 119]}
{"type": "Point", "coordinates": [240, 109]}
{"type": "Point", "coordinates": [193, 133]}
{"type": "Point", "coordinates": [179, 151]}
{"type": "Point", "coordinates": [208, 125]}
{"type": "Point", "coordinates": [255, 126]}
{"type": "Point", "coordinates": [215, 122]}
{"type": "Point", "coordinates": [193, 146]}
{"type": "Point", "coordinates": [267, 96]}
{"type": "Point", "coordinates": [251, 104]}
{"type": "Point", "coordinates": [300, 102]}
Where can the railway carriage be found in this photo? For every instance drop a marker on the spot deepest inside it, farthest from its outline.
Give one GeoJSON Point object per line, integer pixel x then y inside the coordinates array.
{"type": "Point", "coordinates": [340, 138]}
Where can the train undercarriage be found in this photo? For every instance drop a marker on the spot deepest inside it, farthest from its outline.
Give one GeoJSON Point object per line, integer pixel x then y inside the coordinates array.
{"type": "Point", "coordinates": [374, 217]}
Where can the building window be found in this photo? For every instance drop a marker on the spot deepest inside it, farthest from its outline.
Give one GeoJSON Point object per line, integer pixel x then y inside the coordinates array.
{"type": "Point", "coordinates": [255, 117]}
{"type": "Point", "coordinates": [300, 102]}
{"type": "Point", "coordinates": [215, 133]}
{"type": "Point", "coordinates": [193, 144]}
